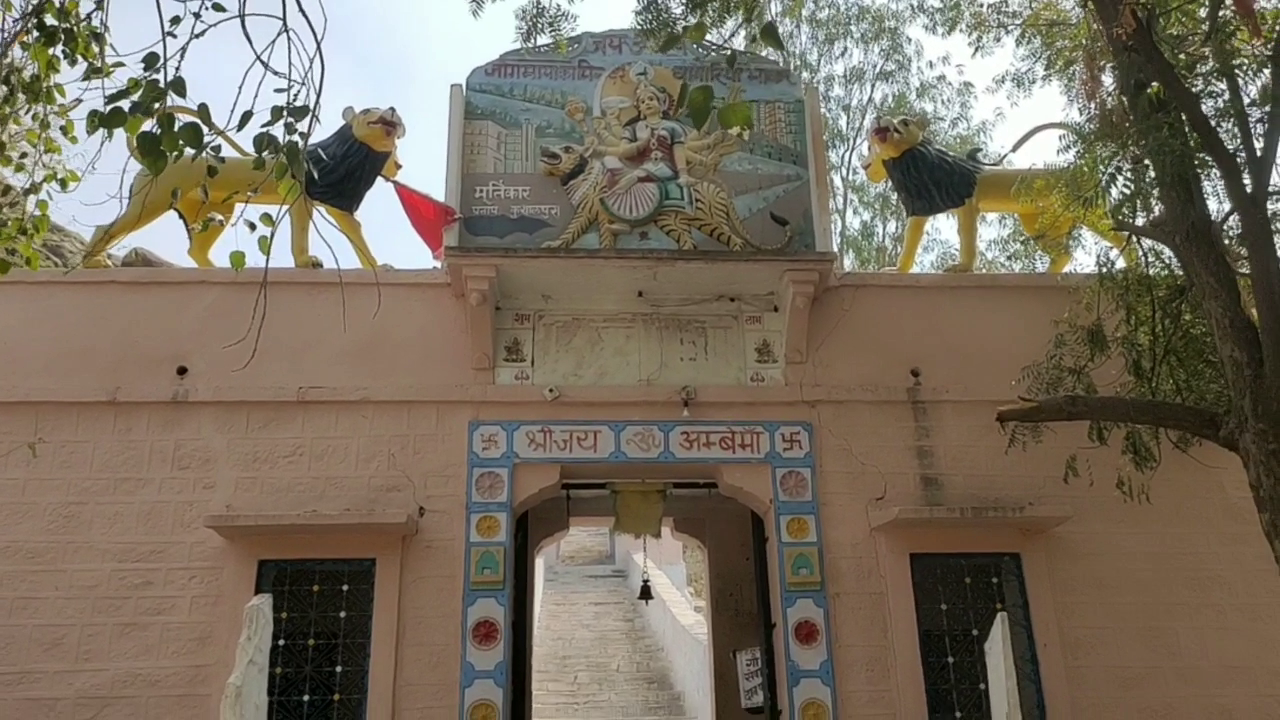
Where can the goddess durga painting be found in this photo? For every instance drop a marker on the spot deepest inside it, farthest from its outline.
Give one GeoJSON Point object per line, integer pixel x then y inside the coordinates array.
{"type": "Point", "coordinates": [650, 158]}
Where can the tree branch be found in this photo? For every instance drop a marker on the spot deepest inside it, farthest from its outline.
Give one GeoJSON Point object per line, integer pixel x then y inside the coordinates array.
{"type": "Point", "coordinates": [1198, 422]}
{"type": "Point", "coordinates": [1256, 232]}
{"type": "Point", "coordinates": [1150, 231]}
{"type": "Point", "coordinates": [1235, 103]}
{"type": "Point", "coordinates": [1266, 162]}
{"type": "Point", "coordinates": [1191, 107]}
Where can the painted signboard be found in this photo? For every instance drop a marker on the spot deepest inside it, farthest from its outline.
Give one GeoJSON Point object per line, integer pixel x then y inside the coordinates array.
{"type": "Point", "coordinates": [592, 146]}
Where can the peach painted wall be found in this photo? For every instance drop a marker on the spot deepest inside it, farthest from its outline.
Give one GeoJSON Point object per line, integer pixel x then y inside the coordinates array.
{"type": "Point", "coordinates": [117, 604]}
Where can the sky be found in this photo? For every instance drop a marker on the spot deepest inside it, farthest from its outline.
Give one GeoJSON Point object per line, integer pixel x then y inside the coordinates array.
{"type": "Point", "coordinates": [405, 54]}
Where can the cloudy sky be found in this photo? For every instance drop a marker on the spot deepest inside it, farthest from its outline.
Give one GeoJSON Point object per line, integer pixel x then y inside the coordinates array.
{"type": "Point", "coordinates": [405, 53]}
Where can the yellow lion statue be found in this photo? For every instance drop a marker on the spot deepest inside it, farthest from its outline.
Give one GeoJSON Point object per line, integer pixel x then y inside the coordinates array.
{"type": "Point", "coordinates": [713, 212]}
{"type": "Point", "coordinates": [929, 180]}
{"type": "Point", "coordinates": [341, 169]}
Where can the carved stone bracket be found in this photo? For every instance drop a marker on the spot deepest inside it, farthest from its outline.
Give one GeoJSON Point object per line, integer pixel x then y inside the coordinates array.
{"type": "Point", "coordinates": [478, 285]}
{"type": "Point", "coordinates": [795, 301]}
{"type": "Point", "coordinates": [553, 297]}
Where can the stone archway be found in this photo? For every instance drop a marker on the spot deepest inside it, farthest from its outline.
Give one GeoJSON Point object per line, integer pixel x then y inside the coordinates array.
{"type": "Point", "coordinates": [767, 466]}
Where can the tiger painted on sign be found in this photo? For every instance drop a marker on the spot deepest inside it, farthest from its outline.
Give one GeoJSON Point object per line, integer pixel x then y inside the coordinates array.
{"type": "Point", "coordinates": [712, 213]}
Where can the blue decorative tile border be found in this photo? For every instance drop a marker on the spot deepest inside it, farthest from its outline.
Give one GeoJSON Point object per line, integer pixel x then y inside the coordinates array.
{"type": "Point", "coordinates": [496, 447]}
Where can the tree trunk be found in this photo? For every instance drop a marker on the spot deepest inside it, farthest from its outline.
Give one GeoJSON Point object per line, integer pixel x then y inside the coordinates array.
{"type": "Point", "coordinates": [1260, 454]}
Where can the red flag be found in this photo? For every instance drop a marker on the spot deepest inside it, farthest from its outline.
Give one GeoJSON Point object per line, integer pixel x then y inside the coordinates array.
{"type": "Point", "coordinates": [428, 216]}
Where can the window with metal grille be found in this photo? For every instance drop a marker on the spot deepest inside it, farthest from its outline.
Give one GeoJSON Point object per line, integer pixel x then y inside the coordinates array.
{"type": "Point", "coordinates": [320, 642]}
{"type": "Point", "coordinates": [958, 597]}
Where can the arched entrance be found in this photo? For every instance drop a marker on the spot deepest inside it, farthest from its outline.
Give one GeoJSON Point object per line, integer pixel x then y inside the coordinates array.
{"type": "Point", "coordinates": [738, 613]}
{"type": "Point", "coordinates": [767, 466]}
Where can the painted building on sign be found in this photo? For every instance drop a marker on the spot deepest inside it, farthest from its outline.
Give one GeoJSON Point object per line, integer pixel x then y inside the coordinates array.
{"type": "Point", "coordinates": [438, 477]}
{"type": "Point", "coordinates": [595, 145]}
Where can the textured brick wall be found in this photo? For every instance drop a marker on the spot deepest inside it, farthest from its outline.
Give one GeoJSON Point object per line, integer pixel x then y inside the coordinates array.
{"type": "Point", "coordinates": [1164, 610]}
{"type": "Point", "coordinates": [111, 591]}
{"type": "Point", "coordinates": [113, 598]}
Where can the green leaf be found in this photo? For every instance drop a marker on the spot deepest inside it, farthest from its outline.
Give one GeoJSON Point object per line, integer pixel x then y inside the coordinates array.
{"type": "Point", "coordinates": [267, 220]}
{"type": "Point", "coordinates": [290, 190]}
{"type": "Point", "coordinates": [771, 38]}
{"type": "Point", "coordinates": [265, 142]}
{"type": "Point", "coordinates": [178, 86]}
{"type": "Point", "coordinates": [205, 114]}
{"type": "Point", "coordinates": [167, 121]}
{"type": "Point", "coordinates": [246, 117]}
{"type": "Point", "coordinates": [169, 140]}
{"type": "Point", "coordinates": [93, 121]}
{"type": "Point", "coordinates": [298, 113]}
{"type": "Point", "coordinates": [238, 260]}
{"type": "Point", "coordinates": [150, 61]}
{"type": "Point", "coordinates": [700, 100]}
{"type": "Point", "coordinates": [736, 115]}
{"type": "Point", "coordinates": [191, 134]}
{"type": "Point", "coordinates": [151, 152]}
{"type": "Point", "coordinates": [113, 119]}
{"type": "Point", "coordinates": [134, 125]}
{"type": "Point", "coordinates": [297, 161]}
{"type": "Point", "coordinates": [264, 245]}
{"type": "Point", "coordinates": [669, 43]}
{"type": "Point", "coordinates": [696, 33]}
{"type": "Point", "coordinates": [218, 7]}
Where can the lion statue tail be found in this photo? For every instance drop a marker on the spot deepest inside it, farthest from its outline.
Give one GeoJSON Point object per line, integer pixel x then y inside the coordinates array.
{"type": "Point", "coordinates": [787, 233]}
{"type": "Point", "coordinates": [188, 112]}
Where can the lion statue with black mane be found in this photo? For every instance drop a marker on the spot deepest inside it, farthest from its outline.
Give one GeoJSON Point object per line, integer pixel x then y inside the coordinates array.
{"type": "Point", "coordinates": [930, 180]}
{"type": "Point", "coordinates": [206, 191]}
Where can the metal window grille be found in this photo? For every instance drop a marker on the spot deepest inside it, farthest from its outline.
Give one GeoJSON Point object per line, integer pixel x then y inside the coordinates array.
{"type": "Point", "coordinates": [320, 642]}
{"type": "Point", "coordinates": [957, 598]}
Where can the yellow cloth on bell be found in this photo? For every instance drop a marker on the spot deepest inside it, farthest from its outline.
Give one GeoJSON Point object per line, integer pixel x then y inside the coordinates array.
{"type": "Point", "coordinates": [638, 508]}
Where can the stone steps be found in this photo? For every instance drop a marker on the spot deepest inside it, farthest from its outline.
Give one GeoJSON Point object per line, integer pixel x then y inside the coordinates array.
{"type": "Point", "coordinates": [604, 697]}
{"type": "Point", "coordinates": [585, 546]}
{"type": "Point", "coordinates": [594, 657]}
{"type": "Point", "coordinates": [568, 682]}
{"type": "Point", "coordinates": [609, 712]}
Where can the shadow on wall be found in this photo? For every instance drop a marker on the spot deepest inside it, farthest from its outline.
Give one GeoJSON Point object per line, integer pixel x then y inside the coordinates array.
{"type": "Point", "coordinates": [681, 630]}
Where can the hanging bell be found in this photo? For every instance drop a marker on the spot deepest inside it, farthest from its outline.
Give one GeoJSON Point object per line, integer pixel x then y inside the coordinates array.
{"type": "Point", "coordinates": [646, 592]}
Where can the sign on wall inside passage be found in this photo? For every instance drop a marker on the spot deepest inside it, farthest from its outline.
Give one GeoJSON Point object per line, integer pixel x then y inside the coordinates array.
{"type": "Point", "coordinates": [595, 148]}
{"type": "Point", "coordinates": [750, 678]}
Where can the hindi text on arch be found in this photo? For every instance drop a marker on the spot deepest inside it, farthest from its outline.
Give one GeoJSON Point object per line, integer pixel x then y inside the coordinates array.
{"type": "Point", "coordinates": [719, 442]}
{"type": "Point", "coordinates": [564, 442]}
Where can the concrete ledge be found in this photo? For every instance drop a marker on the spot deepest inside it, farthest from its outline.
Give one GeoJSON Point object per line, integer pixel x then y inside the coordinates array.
{"type": "Point", "coordinates": [1028, 518]}
{"type": "Point", "coordinates": [964, 280]}
{"type": "Point", "coordinates": [251, 524]}
{"type": "Point", "coordinates": [439, 275]}
{"type": "Point", "coordinates": [196, 392]}
{"type": "Point", "coordinates": [248, 276]}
